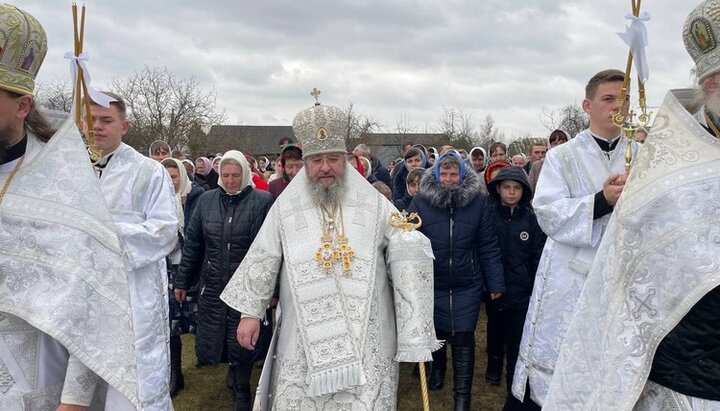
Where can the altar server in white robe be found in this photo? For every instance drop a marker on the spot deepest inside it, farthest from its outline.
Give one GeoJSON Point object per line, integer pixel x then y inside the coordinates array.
{"type": "Point", "coordinates": [646, 333]}
{"type": "Point", "coordinates": [345, 321]}
{"type": "Point", "coordinates": [65, 317]}
{"type": "Point", "coordinates": [576, 191]}
{"type": "Point", "coordinates": [141, 198]}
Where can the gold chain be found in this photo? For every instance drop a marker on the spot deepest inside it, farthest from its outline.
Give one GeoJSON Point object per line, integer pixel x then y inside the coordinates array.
{"type": "Point", "coordinates": [10, 177]}
{"type": "Point", "coordinates": [341, 251]}
{"type": "Point", "coordinates": [712, 126]}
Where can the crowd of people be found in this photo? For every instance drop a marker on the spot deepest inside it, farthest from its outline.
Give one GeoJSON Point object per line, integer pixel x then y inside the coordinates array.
{"type": "Point", "coordinates": [601, 288]}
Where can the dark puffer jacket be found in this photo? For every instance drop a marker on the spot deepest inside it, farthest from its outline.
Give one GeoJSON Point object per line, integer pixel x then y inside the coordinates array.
{"type": "Point", "coordinates": [467, 257]}
{"type": "Point", "coordinates": [520, 237]}
{"type": "Point", "coordinates": [220, 232]}
{"type": "Point", "coordinates": [379, 171]}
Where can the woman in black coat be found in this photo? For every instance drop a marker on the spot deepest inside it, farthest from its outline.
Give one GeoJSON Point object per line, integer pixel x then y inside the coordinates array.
{"type": "Point", "coordinates": [221, 230]}
{"type": "Point", "coordinates": [456, 219]}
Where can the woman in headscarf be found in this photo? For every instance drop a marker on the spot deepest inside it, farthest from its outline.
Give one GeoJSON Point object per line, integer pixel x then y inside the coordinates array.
{"type": "Point", "coordinates": [257, 180]}
{"type": "Point", "coordinates": [205, 173]}
{"type": "Point", "coordinates": [456, 218]}
{"type": "Point", "coordinates": [180, 314]}
{"type": "Point", "coordinates": [159, 150]}
{"type": "Point", "coordinates": [221, 230]}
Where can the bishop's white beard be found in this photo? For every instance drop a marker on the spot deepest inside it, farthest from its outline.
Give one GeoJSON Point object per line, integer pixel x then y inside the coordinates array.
{"type": "Point", "coordinates": [708, 97]}
{"type": "Point", "coordinates": [712, 103]}
{"type": "Point", "coordinates": [330, 197]}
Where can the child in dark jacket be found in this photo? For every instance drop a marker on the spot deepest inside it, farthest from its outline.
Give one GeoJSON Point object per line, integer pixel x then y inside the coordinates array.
{"type": "Point", "coordinates": [521, 243]}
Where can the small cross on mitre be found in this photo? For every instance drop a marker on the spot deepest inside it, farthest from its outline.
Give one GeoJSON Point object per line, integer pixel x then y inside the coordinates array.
{"type": "Point", "coordinates": [316, 93]}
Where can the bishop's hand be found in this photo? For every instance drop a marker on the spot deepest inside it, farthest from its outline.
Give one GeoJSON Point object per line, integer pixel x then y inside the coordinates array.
{"type": "Point", "coordinates": [248, 332]}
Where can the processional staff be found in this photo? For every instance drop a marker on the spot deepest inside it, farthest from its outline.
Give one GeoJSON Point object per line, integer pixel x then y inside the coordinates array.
{"type": "Point", "coordinates": [82, 92]}
{"type": "Point", "coordinates": [636, 38]}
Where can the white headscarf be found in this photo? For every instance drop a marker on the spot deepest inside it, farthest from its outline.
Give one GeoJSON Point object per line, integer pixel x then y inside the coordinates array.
{"type": "Point", "coordinates": [192, 165]}
{"type": "Point", "coordinates": [246, 173]}
{"type": "Point", "coordinates": [156, 145]}
{"type": "Point", "coordinates": [183, 191]}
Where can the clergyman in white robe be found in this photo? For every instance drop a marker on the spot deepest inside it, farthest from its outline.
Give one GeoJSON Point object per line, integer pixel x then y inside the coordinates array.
{"type": "Point", "coordinates": [659, 257]}
{"type": "Point", "coordinates": [65, 316]}
{"type": "Point", "coordinates": [571, 176]}
{"type": "Point", "coordinates": [141, 199]}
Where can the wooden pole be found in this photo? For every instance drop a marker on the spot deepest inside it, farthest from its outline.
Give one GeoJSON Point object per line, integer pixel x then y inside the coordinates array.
{"type": "Point", "coordinates": [424, 388]}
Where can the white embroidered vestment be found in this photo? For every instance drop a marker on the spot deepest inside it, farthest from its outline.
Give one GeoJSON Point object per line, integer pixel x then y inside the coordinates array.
{"type": "Point", "coordinates": [340, 337]}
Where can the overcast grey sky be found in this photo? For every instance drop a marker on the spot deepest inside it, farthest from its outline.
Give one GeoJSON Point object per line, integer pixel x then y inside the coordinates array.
{"type": "Point", "coordinates": [508, 58]}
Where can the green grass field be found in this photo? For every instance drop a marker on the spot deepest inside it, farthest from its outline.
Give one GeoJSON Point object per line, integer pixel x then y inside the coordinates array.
{"type": "Point", "coordinates": [205, 387]}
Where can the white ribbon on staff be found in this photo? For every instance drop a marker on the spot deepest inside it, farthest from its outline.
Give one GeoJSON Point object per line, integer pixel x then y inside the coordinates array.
{"type": "Point", "coordinates": [635, 36]}
{"type": "Point", "coordinates": [75, 61]}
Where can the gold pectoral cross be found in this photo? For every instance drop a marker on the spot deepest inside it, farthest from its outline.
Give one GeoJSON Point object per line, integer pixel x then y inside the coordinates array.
{"type": "Point", "coordinates": [327, 255]}
{"type": "Point", "coordinates": [346, 254]}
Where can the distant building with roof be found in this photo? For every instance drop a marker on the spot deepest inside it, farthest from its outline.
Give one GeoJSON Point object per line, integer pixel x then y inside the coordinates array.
{"type": "Point", "coordinates": [263, 140]}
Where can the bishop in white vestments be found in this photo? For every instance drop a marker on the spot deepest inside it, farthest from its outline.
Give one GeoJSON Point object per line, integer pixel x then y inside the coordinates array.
{"type": "Point", "coordinates": [346, 321]}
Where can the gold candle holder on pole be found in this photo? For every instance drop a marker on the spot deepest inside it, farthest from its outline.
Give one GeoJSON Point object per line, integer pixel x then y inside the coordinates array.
{"type": "Point", "coordinates": [624, 118]}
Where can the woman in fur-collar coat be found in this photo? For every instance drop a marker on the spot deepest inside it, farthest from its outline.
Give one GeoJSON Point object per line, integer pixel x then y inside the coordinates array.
{"type": "Point", "coordinates": [456, 219]}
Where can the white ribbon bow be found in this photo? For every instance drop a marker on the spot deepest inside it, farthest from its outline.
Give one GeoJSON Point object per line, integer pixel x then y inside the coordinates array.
{"type": "Point", "coordinates": [75, 61]}
{"type": "Point", "coordinates": [635, 36]}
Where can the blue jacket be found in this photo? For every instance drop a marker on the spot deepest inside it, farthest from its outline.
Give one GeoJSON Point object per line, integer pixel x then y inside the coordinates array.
{"type": "Point", "coordinates": [467, 256]}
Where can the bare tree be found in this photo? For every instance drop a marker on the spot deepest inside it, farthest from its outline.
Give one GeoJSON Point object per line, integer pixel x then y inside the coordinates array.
{"type": "Point", "coordinates": [488, 133]}
{"type": "Point", "coordinates": [164, 107]}
{"type": "Point", "coordinates": [403, 125]}
{"type": "Point", "coordinates": [570, 118]}
{"type": "Point", "coordinates": [455, 123]}
{"type": "Point", "coordinates": [55, 95]}
{"type": "Point", "coordinates": [458, 126]}
{"type": "Point", "coordinates": [358, 125]}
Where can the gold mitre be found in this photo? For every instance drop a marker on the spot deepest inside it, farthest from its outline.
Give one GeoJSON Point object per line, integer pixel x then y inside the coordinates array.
{"type": "Point", "coordinates": [320, 129]}
{"type": "Point", "coordinates": [23, 45]}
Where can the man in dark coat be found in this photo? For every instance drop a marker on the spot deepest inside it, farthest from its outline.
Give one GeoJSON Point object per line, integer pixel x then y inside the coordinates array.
{"type": "Point", "coordinates": [521, 242]}
{"type": "Point", "coordinates": [456, 218]}
{"type": "Point", "coordinates": [222, 228]}
{"type": "Point", "coordinates": [379, 172]}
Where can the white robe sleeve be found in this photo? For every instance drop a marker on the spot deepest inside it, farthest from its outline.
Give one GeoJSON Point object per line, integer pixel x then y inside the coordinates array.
{"type": "Point", "coordinates": [80, 383]}
{"type": "Point", "coordinates": [564, 217]}
{"type": "Point", "coordinates": [252, 286]}
{"type": "Point", "coordinates": [150, 235]}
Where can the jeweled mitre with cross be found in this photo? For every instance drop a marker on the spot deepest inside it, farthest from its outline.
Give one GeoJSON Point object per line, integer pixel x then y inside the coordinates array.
{"type": "Point", "coordinates": [320, 129]}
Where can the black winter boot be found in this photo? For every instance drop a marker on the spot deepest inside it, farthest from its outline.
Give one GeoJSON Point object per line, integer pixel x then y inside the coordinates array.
{"type": "Point", "coordinates": [230, 379]}
{"type": "Point", "coordinates": [463, 358]}
{"type": "Point", "coordinates": [439, 366]}
{"type": "Point", "coordinates": [177, 381]}
{"type": "Point", "coordinates": [493, 374]}
{"type": "Point", "coordinates": [241, 387]}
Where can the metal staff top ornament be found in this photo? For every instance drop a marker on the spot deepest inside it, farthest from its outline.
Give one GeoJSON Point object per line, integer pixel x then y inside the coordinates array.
{"type": "Point", "coordinates": [636, 37]}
